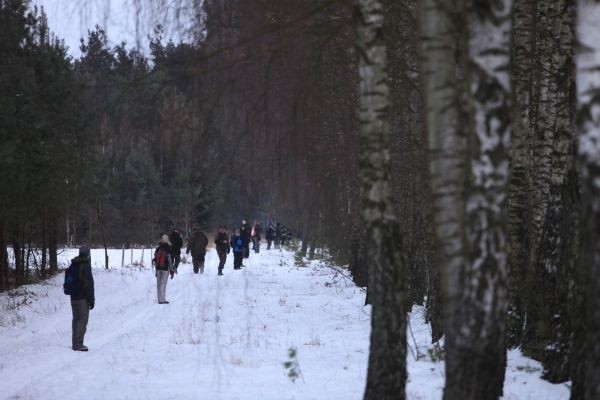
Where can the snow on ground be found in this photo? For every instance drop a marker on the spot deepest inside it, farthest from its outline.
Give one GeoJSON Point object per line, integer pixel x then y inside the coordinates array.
{"type": "Point", "coordinates": [220, 337]}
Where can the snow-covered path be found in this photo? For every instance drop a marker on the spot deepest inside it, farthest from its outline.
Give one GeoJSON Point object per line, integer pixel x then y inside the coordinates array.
{"type": "Point", "coordinates": [219, 338]}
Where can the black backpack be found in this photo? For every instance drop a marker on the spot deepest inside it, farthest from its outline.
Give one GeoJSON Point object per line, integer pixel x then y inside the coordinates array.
{"type": "Point", "coordinates": [73, 282]}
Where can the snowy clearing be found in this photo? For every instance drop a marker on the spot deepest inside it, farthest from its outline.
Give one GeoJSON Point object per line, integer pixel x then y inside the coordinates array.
{"type": "Point", "coordinates": [219, 338]}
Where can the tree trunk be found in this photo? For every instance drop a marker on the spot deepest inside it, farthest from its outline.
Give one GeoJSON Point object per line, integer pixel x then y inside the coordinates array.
{"type": "Point", "coordinates": [44, 253]}
{"type": "Point", "coordinates": [3, 259]}
{"type": "Point", "coordinates": [53, 246]}
{"type": "Point", "coordinates": [586, 379]}
{"type": "Point", "coordinates": [386, 377]}
{"type": "Point", "coordinates": [543, 196]}
{"type": "Point", "coordinates": [468, 114]}
{"type": "Point", "coordinates": [519, 204]}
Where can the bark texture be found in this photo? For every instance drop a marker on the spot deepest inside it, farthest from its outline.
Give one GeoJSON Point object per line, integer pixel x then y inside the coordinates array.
{"type": "Point", "coordinates": [386, 378]}
{"type": "Point", "coordinates": [469, 137]}
{"type": "Point", "coordinates": [543, 196]}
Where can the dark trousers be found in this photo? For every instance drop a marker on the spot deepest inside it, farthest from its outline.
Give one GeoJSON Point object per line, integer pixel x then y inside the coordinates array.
{"type": "Point", "coordinates": [237, 259]}
{"type": "Point", "coordinates": [81, 313]}
{"type": "Point", "coordinates": [176, 260]}
{"type": "Point", "coordinates": [256, 244]}
{"type": "Point", "coordinates": [246, 249]}
{"type": "Point", "coordinates": [222, 258]}
{"type": "Point", "coordinates": [198, 262]}
{"type": "Point", "coordinates": [269, 241]}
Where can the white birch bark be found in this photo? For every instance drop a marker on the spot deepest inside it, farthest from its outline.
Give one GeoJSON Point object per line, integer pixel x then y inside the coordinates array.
{"type": "Point", "coordinates": [386, 376]}
{"type": "Point", "coordinates": [468, 126]}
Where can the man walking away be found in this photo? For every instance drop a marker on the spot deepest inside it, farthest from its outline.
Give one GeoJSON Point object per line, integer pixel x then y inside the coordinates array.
{"type": "Point", "coordinates": [245, 232]}
{"type": "Point", "coordinates": [237, 244]}
{"type": "Point", "coordinates": [83, 300]}
{"type": "Point", "coordinates": [164, 267]}
{"type": "Point", "coordinates": [176, 245]}
{"type": "Point", "coordinates": [197, 246]}
{"type": "Point", "coordinates": [222, 243]}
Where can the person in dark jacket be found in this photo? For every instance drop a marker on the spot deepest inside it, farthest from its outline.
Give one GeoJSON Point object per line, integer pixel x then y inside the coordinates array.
{"type": "Point", "coordinates": [197, 246]}
{"type": "Point", "coordinates": [84, 301]}
{"type": "Point", "coordinates": [237, 244]}
{"type": "Point", "coordinates": [222, 243]}
{"type": "Point", "coordinates": [270, 236]}
{"type": "Point", "coordinates": [176, 245]}
{"type": "Point", "coordinates": [245, 232]}
{"type": "Point", "coordinates": [277, 238]}
{"type": "Point", "coordinates": [164, 267]}
{"type": "Point", "coordinates": [256, 237]}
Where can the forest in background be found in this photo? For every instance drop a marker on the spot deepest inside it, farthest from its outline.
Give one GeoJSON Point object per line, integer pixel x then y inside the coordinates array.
{"type": "Point", "coordinates": [485, 214]}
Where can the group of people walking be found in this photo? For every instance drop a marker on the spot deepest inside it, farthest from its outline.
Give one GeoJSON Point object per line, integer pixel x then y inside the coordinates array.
{"type": "Point", "coordinates": [167, 257]}
{"type": "Point", "coordinates": [239, 243]}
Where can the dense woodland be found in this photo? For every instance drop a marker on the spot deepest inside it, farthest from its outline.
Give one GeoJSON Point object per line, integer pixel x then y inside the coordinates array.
{"type": "Point", "coordinates": [442, 150]}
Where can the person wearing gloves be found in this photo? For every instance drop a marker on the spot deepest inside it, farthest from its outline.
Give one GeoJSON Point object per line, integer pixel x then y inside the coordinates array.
{"type": "Point", "coordinates": [83, 300]}
{"type": "Point", "coordinates": [163, 262]}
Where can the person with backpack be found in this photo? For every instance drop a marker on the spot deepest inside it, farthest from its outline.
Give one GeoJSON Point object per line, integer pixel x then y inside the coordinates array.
{"type": "Point", "coordinates": [256, 237]}
{"type": "Point", "coordinates": [222, 243]}
{"type": "Point", "coordinates": [176, 245]}
{"type": "Point", "coordinates": [270, 236]}
{"type": "Point", "coordinates": [245, 232]}
{"type": "Point", "coordinates": [79, 284]}
{"type": "Point", "coordinates": [164, 267]}
{"type": "Point", "coordinates": [197, 246]}
{"type": "Point", "coordinates": [237, 244]}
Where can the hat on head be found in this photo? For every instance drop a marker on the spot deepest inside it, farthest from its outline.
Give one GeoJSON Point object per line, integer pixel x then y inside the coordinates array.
{"type": "Point", "coordinates": [84, 251]}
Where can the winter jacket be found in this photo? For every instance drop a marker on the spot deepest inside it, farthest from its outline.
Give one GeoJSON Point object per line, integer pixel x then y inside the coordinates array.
{"type": "Point", "coordinates": [256, 232]}
{"type": "Point", "coordinates": [270, 233]}
{"type": "Point", "coordinates": [176, 242]}
{"type": "Point", "coordinates": [168, 250]}
{"type": "Point", "coordinates": [222, 242]}
{"type": "Point", "coordinates": [245, 230]}
{"type": "Point", "coordinates": [237, 243]}
{"type": "Point", "coordinates": [197, 245]}
{"type": "Point", "coordinates": [84, 272]}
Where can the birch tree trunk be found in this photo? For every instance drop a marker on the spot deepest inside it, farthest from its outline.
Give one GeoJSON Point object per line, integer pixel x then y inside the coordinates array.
{"type": "Point", "coordinates": [468, 125]}
{"type": "Point", "coordinates": [588, 84]}
{"type": "Point", "coordinates": [386, 378]}
{"type": "Point", "coordinates": [544, 196]}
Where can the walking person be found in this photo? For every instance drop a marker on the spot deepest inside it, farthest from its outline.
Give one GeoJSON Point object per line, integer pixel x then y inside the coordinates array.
{"type": "Point", "coordinates": [197, 246]}
{"type": "Point", "coordinates": [245, 232]}
{"type": "Point", "coordinates": [222, 243]}
{"type": "Point", "coordinates": [82, 299]}
{"type": "Point", "coordinates": [176, 245]}
{"type": "Point", "coordinates": [256, 237]}
{"type": "Point", "coordinates": [237, 244]}
{"type": "Point", "coordinates": [164, 267]}
{"type": "Point", "coordinates": [270, 236]}
{"type": "Point", "coordinates": [277, 237]}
